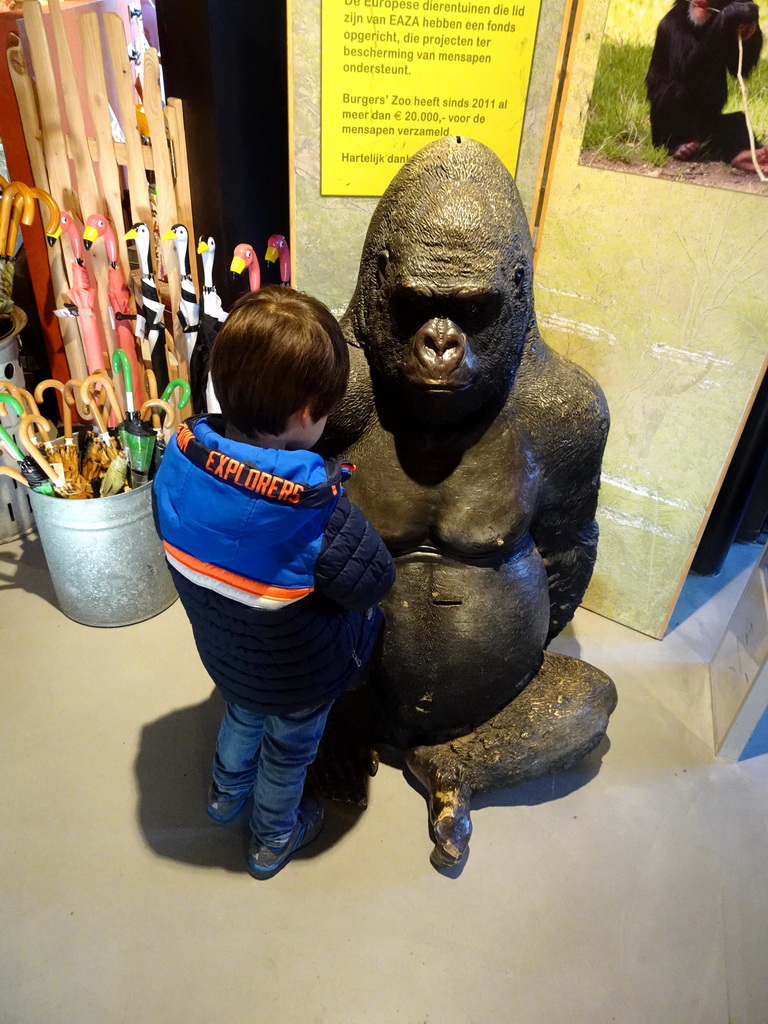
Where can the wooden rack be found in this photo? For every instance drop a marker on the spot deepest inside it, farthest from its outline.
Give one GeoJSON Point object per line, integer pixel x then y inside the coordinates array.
{"type": "Point", "coordinates": [88, 175]}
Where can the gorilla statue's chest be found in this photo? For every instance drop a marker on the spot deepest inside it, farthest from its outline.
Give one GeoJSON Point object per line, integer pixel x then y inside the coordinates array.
{"type": "Point", "coordinates": [468, 502]}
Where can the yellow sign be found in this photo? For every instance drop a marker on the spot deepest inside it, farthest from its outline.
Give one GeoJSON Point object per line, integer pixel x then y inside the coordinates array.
{"type": "Point", "coordinates": [398, 73]}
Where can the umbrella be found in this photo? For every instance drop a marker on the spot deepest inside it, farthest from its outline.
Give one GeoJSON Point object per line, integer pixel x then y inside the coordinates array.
{"type": "Point", "coordinates": [189, 309]}
{"type": "Point", "coordinates": [33, 474]}
{"type": "Point", "coordinates": [185, 393]}
{"type": "Point", "coordinates": [102, 448]}
{"type": "Point", "coordinates": [17, 204]}
{"type": "Point", "coordinates": [149, 324]}
{"type": "Point", "coordinates": [120, 362]}
{"type": "Point", "coordinates": [211, 319]}
{"type": "Point", "coordinates": [277, 248]}
{"type": "Point", "coordinates": [82, 296]}
{"type": "Point", "coordinates": [245, 257]}
{"type": "Point", "coordinates": [72, 487]}
{"type": "Point", "coordinates": [118, 294]}
{"type": "Point", "coordinates": [160, 441]}
{"type": "Point", "coordinates": [66, 452]}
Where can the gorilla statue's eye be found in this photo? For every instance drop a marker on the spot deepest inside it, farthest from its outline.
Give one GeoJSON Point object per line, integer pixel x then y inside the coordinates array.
{"type": "Point", "coordinates": [519, 275]}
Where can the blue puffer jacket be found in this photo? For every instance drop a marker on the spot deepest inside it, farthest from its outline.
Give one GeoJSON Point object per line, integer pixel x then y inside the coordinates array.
{"type": "Point", "coordinates": [279, 573]}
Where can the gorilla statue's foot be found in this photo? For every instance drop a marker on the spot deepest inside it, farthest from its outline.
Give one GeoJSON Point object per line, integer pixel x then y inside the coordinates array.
{"type": "Point", "coordinates": [559, 718]}
{"type": "Point", "coordinates": [449, 797]}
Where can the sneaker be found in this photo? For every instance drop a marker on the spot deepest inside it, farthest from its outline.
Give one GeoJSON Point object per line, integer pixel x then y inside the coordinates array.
{"type": "Point", "coordinates": [223, 808]}
{"type": "Point", "coordinates": [264, 861]}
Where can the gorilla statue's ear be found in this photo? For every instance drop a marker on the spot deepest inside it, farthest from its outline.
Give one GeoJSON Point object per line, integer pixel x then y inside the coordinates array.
{"type": "Point", "coordinates": [382, 262]}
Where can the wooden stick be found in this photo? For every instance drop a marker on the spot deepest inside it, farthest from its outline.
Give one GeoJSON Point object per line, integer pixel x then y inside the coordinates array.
{"type": "Point", "coordinates": [137, 178]}
{"type": "Point", "coordinates": [167, 213]}
{"type": "Point", "coordinates": [96, 87]}
{"type": "Point", "coordinates": [25, 97]}
{"type": "Point", "coordinates": [54, 144]}
{"type": "Point", "coordinates": [750, 132]}
{"type": "Point", "coordinates": [174, 113]}
{"type": "Point", "coordinates": [91, 194]}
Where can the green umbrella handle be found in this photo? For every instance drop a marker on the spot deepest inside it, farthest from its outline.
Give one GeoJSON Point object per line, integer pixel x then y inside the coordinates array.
{"type": "Point", "coordinates": [120, 363]}
{"type": "Point", "coordinates": [184, 389]}
{"type": "Point", "coordinates": [10, 402]}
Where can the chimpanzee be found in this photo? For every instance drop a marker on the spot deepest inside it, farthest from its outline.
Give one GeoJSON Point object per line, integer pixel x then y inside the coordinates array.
{"type": "Point", "coordinates": [478, 452]}
{"type": "Point", "coordinates": [687, 81]}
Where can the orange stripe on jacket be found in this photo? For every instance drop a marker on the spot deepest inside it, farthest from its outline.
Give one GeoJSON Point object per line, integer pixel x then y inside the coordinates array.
{"type": "Point", "coordinates": [233, 580]}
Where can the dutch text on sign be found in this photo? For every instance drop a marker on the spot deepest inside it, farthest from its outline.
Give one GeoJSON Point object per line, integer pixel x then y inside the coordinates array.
{"type": "Point", "coordinates": [398, 73]}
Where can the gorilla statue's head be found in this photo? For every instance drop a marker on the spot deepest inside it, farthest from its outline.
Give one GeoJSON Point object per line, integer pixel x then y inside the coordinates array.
{"type": "Point", "coordinates": [443, 302]}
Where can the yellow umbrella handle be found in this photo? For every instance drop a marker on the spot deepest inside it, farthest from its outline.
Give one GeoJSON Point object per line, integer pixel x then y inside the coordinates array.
{"type": "Point", "coordinates": [41, 424]}
{"type": "Point", "coordinates": [14, 474]}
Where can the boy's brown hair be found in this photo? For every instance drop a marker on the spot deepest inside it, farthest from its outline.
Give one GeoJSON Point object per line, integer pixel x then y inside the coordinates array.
{"type": "Point", "coordinates": [278, 352]}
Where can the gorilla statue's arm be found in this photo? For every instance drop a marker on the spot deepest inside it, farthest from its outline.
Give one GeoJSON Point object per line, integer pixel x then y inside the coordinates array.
{"type": "Point", "coordinates": [567, 417]}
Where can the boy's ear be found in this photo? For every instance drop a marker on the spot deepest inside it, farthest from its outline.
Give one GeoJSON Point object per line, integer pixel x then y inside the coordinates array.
{"type": "Point", "coordinates": [307, 419]}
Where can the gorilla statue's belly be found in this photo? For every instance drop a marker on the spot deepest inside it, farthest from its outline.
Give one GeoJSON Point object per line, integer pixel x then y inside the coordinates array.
{"type": "Point", "coordinates": [460, 642]}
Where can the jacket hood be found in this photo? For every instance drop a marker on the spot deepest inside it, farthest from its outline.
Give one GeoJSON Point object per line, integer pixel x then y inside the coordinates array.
{"type": "Point", "coordinates": [254, 514]}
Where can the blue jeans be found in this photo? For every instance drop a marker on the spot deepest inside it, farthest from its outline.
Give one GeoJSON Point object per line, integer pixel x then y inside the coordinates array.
{"type": "Point", "coordinates": [269, 754]}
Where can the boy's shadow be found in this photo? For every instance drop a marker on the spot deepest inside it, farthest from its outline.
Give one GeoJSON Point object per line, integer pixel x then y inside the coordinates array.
{"type": "Point", "coordinates": [173, 773]}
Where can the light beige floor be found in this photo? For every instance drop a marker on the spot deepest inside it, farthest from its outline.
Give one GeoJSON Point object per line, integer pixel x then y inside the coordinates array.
{"type": "Point", "coordinates": [632, 890]}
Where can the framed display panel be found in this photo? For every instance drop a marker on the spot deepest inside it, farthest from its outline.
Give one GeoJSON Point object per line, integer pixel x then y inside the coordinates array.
{"type": "Point", "coordinates": [328, 230]}
{"type": "Point", "coordinates": [654, 277]}
{"type": "Point", "coordinates": [739, 673]}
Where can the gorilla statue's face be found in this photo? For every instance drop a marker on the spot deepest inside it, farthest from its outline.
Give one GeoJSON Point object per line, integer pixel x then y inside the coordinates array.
{"type": "Point", "coordinates": [452, 305]}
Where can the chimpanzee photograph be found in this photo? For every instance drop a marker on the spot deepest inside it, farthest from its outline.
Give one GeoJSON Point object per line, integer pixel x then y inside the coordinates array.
{"type": "Point", "coordinates": [696, 48]}
{"type": "Point", "coordinates": [666, 100]}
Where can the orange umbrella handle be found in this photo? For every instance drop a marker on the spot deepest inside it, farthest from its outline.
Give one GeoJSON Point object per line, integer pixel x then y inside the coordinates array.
{"type": "Point", "coordinates": [53, 227]}
{"type": "Point", "coordinates": [14, 474]}
{"type": "Point", "coordinates": [17, 204]}
{"type": "Point", "coordinates": [89, 397]}
{"type": "Point", "coordinates": [159, 403]}
{"type": "Point", "coordinates": [103, 378]}
{"type": "Point", "coordinates": [42, 424]}
{"type": "Point", "coordinates": [73, 399]}
{"type": "Point", "coordinates": [66, 405]}
{"type": "Point", "coordinates": [23, 396]}
{"type": "Point", "coordinates": [150, 382]}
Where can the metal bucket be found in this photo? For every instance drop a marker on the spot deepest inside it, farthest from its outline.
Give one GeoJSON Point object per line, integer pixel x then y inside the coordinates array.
{"type": "Point", "coordinates": [106, 560]}
{"type": "Point", "coordinates": [15, 513]}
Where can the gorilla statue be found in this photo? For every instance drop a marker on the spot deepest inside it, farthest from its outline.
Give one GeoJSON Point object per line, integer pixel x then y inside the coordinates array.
{"type": "Point", "coordinates": [478, 454]}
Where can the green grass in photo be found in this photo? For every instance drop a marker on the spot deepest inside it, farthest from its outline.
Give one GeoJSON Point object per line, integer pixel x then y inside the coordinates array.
{"type": "Point", "coordinates": [618, 126]}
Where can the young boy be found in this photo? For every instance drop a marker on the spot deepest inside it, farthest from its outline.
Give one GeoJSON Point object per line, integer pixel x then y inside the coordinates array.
{"type": "Point", "coordinates": [278, 572]}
